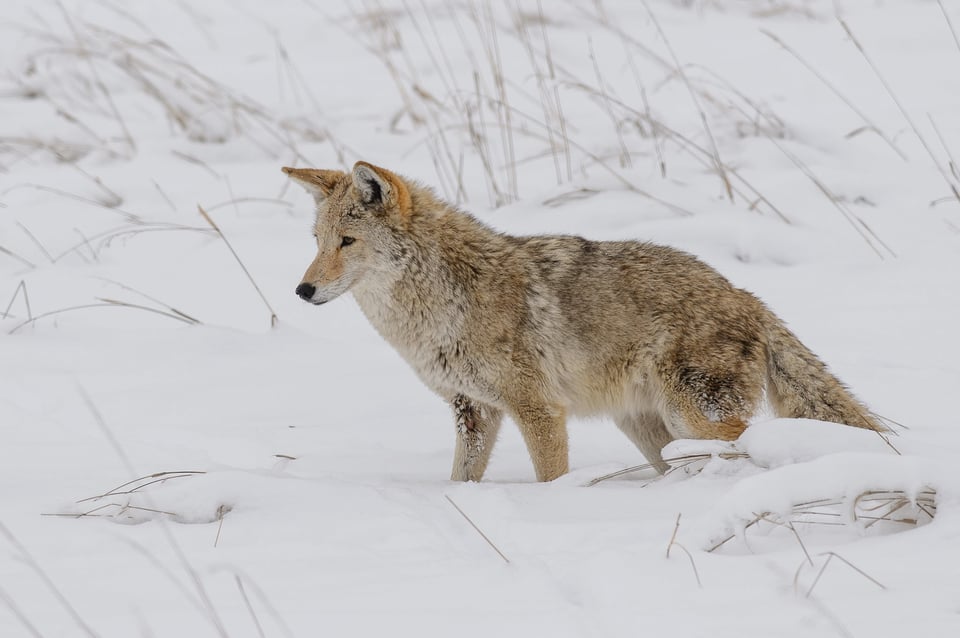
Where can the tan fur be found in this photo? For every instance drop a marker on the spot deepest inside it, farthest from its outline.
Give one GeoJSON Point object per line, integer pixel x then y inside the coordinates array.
{"type": "Point", "coordinates": [543, 327]}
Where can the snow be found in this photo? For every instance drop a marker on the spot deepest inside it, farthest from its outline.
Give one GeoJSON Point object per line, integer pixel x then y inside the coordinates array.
{"type": "Point", "coordinates": [320, 505]}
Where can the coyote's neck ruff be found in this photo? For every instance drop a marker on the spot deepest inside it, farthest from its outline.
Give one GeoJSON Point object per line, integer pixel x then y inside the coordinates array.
{"type": "Point", "coordinates": [541, 327]}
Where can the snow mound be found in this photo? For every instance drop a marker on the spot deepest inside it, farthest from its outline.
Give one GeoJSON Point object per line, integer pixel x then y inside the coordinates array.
{"type": "Point", "coordinates": [821, 474]}
{"type": "Point", "coordinates": [191, 497]}
{"type": "Point", "coordinates": [784, 441]}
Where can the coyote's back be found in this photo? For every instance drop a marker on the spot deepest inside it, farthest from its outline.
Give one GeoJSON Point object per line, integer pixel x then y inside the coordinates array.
{"type": "Point", "coordinates": [542, 327]}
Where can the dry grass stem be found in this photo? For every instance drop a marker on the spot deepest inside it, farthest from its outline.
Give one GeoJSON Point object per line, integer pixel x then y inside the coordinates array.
{"type": "Point", "coordinates": [21, 287]}
{"type": "Point", "coordinates": [104, 303]}
{"type": "Point", "coordinates": [39, 571]}
{"type": "Point", "coordinates": [675, 463]}
{"type": "Point", "coordinates": [870, 124]}
{"type": "Point", "coordinates": [143, 481]}
{"type": "Point", "coordinates": [946, 16]}
{"type": "Point", "coordinates": [209, 220]}
{"type": "Point", "coordinates": [477, 529]}
{"type": "Point", "coordinates": [866, 233]}
{"type": "Point", "coordinates": [10, 253]}
{"type": "Point", "coordinates": [654, 130]}
{"type": "Point", "coordinates": [130, 217]}
{"type": "Point", "coordinates": [152, 299]}
{"type": "Point", "coordinates": [954, 169]}
{"type": "Point", "coordinates": [673, 541]}
{"type": "Point", "coordinates": [18, 613]}
{"type": "Point", "coordinates": [36, 242]}
{"type": "Point", "coordinates": [900, 107]}
{"type": "Point", "coordinates": [223, 509]}
{"type": "Point", "coordinates": [601, 85]}
{"type": "Point", "coordinates": [246, 599]}
{"type": "Point", "coordinates": [717, 162]}
{"type": "Point", "coordinates": [867, 508]}
{"type": "Point", "coordinates": [826, 563]}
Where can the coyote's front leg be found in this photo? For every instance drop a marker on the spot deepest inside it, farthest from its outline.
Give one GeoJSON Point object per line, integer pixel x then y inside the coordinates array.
{"type": "Point", "coordinates": [477, 427]}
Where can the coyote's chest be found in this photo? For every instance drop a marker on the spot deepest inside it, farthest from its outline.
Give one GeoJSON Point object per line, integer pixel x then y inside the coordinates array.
{"type": "Point", "coordinates": [431, 339]}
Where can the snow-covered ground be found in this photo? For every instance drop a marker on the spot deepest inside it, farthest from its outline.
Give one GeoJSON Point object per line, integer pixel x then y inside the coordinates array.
{"type": "Point", "coordinates": [306, 468]}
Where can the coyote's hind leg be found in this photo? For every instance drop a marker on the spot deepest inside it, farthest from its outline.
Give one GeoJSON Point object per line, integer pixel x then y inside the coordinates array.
{"type": "Point", "coordinates": [649, 433]}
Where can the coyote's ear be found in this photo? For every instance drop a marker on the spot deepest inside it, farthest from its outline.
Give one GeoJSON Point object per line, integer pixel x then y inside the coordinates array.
{"type": "Point", "coordinates": [379, 187]}
{"type": "Point", "coordinates": [319, 183]}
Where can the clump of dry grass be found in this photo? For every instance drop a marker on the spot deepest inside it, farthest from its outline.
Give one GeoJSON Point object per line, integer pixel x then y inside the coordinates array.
{"type": "Point", "coordinates": [895, 507]}
{"type": "Point", "coordinates": [117, 503]}
{"type": "Point", "coordinates": [488, 114]}
{"type": "Point", "coordinates": [87, 73]}
{"type": "Point", "coordinates": [690, 463]}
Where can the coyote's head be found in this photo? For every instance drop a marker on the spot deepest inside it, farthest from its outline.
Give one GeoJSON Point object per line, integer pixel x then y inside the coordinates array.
{"type": "Point", "coordinates": [359, 216]}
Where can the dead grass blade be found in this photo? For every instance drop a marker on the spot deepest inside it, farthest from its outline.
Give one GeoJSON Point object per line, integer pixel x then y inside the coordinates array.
{"type": "Point", "coordinates": [202, 595]}
{"type": "Point", "coordinates": [246, 600]}
{"type": "Point", "coordinates": [130, 217]}
{"type": "Point", "coordinates": [98, 82]}
{"type": "Point", "coordinates": [868, 508]}
{"type": "Point", "coordinates": [21, 287]}
{"type": "Point", "coordinates": [209, 220]}
{"type": "Point", "coordinates": [223, 509]}
{"type": "Point", "coordinates": [870, 124]}
{"type": "Point", "coordinates": [946, 16]}
{"type": "Point", "coordinates": [39, 571]}
{"type": "Point", "coordinates": [673, 541]}
{"type": "Point", "coordinates": [866, 233]}
{"type": "Point", "coordinates": [10, 253]}
{"type": "Point", "coordinates": [900, 107]}
{"type": "Point", "coordinates": [477, 529]}
{"type": "Point", "coordinates": [143, 481]}
{"type": "Point", "coordinates": [18, 613]}
{"type": "Point", "coordinates": [715, 152]}
{"type": "Point", "coordinates": [675, 463]}
{"type": "Point", "coordinates": [168, 307]}
{"type": "Point", "coordinates": [104, 303]}
{"type": "Point", "coordinates": [826, 563]}
{"type": "Point", "coordinates": [601, 85]}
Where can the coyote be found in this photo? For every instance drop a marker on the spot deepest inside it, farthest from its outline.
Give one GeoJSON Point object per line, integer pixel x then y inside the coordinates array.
{"type": "Point", "coordinates": [540, 328]}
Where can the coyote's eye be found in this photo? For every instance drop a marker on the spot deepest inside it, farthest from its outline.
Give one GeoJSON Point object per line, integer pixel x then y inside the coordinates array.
{"type": "Point", "coordinates": [346, 241]}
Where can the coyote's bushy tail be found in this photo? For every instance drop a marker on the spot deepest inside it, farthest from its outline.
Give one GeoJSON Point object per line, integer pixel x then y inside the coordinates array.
{"type": "Point", "coordinates": [800, 385]}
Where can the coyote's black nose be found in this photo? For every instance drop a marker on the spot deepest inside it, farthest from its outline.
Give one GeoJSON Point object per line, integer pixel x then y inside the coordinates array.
{"type": "Point", "coordinates": [305, 291]}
